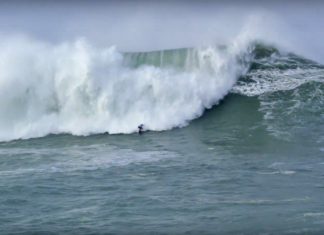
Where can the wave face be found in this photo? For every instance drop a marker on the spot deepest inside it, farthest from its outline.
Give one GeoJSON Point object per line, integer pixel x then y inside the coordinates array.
{"type": "Point", "coordinates": [78, 89]}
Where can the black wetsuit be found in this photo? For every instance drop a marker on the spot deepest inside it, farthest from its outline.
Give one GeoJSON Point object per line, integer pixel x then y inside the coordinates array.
{"type": "Point", "coordinates": [140, 129]}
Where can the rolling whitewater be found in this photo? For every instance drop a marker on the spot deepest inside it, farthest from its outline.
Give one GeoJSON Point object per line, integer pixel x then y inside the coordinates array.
{"type": "Point", "coordinates": [235, 142]}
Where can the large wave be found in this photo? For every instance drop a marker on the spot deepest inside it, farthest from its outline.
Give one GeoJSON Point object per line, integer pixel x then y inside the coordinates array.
{"type": "Point", "coordinates": [79, 89]}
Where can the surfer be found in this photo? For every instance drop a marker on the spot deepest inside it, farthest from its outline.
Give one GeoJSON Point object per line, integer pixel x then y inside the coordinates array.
{"type": "Point", "coordinates": [140, 129]}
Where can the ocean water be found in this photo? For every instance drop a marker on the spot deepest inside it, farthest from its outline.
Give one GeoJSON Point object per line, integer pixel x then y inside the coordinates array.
{"type": "Point", "coordinates": [235, 140]}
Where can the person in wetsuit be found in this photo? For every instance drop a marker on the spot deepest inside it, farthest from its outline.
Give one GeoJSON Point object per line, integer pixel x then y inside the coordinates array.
{"type": "Point", "coordinates": [140, 129]}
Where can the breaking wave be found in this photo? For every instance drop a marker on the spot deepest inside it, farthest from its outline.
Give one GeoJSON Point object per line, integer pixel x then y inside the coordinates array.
{"type": "Point", "coordinates": [80, 89]}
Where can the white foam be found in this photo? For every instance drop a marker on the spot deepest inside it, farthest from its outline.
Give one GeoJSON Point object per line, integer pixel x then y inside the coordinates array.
{"type": "Point", "coordinates": [85, 158]}
{"type": "Point", "coordinates": [79, 89]}
{"type": "Point", "coordinates": [314, 214]}
{"type": "Point", "coordinates": [266, 81]}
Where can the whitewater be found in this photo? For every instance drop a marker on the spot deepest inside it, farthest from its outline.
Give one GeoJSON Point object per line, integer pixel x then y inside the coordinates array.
{"type": "Point", "coordinates": [79, 89]}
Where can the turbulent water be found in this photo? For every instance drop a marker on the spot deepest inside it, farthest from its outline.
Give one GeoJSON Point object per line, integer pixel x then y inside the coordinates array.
{"type": "Point", "coordinates": [235, 146]}
{"type": "Point", "coordinates": [77, 89]}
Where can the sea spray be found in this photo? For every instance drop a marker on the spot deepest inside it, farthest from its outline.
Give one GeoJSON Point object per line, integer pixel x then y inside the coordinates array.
{"type": "Point", "coordinates": [79, 89]}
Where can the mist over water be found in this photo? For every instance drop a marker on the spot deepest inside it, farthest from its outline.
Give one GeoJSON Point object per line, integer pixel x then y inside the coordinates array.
{"type": "Point", "coordinates": [152, 25]}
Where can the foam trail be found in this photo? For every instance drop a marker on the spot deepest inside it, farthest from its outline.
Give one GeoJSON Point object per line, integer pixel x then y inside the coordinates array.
{"type": "Point", "coordinates": [79, 89]}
